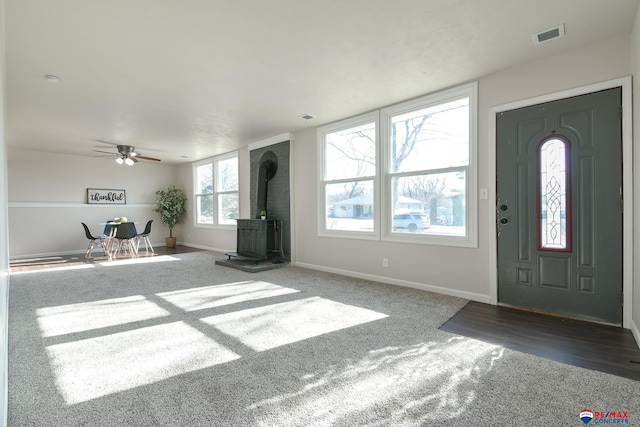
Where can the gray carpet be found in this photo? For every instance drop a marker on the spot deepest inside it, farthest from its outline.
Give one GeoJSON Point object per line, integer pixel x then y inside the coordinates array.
{"type": "Point", "coordinates": [179, 341]}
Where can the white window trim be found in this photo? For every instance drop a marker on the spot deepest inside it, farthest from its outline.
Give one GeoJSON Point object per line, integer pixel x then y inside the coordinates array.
{"type": "Point", "coordinates": [321, 133]}
{"type": "Point", "coordinates": [382, 180]}
{"type": "Point", "coordinates": [213, 162]}
{"type": "Point", "coordinates": [194, 177]}
{"type": "Point", "coordinates": [471, 193]}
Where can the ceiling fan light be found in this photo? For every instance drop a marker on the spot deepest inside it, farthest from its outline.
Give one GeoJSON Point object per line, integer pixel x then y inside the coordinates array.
{"type": "Point", "coordinates": [119, 160]}
{"type": "Point", "coordinates": [128, 161]}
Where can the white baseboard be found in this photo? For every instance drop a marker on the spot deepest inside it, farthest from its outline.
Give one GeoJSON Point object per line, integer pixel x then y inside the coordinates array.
{"type": "Point", "coordinates": [49, 254]}
{"type": "Point", "coordinates": [98, 250]}
{"type": "Point", "coordinates": [206, 248]}
{"type": "Point", "coordinates": [404, 283]}
{"type": "Point", "coordinates": [635, 330]}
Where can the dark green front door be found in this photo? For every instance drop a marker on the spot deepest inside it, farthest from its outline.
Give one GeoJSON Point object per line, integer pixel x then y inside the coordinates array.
{"type": "Point", "coordinates": [559, 208]}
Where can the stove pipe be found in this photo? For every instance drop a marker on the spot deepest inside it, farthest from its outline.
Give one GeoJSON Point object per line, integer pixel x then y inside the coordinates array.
{"type": "Point", "coordinates": [267, 170]}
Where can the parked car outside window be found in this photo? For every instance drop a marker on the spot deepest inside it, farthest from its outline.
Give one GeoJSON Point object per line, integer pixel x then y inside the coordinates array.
{"type": "Point", "coordinates": [413, 222]}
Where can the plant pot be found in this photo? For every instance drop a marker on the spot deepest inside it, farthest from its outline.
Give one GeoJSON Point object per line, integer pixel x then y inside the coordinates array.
{"type": "Point", "coordinates": [263, 217]}
{"type": "Point", "coordinates": [170, 242]}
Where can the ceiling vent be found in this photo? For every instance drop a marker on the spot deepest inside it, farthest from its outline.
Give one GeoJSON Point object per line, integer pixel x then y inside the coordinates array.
{"type": "Point", "coordinates": [547, 35]}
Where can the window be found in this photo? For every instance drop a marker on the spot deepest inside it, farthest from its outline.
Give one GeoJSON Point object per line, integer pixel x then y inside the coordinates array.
{"type": "Point", "coordinates": [216, 191]}
{"type": "Point", "coordinates": [348, 180]}
{"type": "Point", "coordinates": [554, 228]}
{"type": "Point", "coordinates": [204, 193]}
{"type": "Point", "coordinates": [421, 188]}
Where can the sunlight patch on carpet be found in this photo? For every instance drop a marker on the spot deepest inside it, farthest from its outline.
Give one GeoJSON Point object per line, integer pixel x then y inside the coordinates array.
{"type": "Point", "coordinates": [50, 269]}
{"type": "Point", "coordinates": [220, 295]}
{"type": "Point", "coordinates": [72, 318]}
{"type": "Point", "coordinates": [431, 382]}
{"type": "Point", "coordinates": [275, 325]}
{"type": "Point", "coordinates": [92, 368]}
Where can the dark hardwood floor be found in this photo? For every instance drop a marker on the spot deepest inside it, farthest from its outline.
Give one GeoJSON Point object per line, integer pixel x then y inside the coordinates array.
{"type": "Point", "coordinates": [575, 342]}
{"type": "Point", "coordinates": [57, 261]}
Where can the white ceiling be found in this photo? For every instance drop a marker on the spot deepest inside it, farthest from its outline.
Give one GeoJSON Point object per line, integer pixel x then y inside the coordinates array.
{"type": "Point", "coordinates": [185, 80]}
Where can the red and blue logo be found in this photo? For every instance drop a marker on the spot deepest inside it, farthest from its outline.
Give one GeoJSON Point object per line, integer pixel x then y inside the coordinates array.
{"type": "Point", "coordinates": [586, 415]}
{"type": "Point", "coordinates": [604, 417]}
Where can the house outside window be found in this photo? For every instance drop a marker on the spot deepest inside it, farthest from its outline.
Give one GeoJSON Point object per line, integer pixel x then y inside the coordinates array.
{"type": "Point", "coordinates": [403, 173]}
{"type": "Point", "coordinates": [348, 182]}
{"type": "Point", "coordinates": [216, 191]}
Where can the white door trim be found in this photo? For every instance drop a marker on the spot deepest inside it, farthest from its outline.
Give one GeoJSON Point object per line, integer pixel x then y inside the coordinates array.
{"type": "Point", "coordinates": [627, 183]}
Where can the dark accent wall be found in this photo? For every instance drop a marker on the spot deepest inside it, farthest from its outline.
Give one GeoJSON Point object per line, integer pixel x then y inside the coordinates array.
{"type": "Point", "coordinates": [279, 192]}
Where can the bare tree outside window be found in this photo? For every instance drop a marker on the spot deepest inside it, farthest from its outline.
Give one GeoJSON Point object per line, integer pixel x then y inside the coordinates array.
{"type": "Point", "coordinates": [227, 190]}
{"type": "Point", "coordinates": [204, 194]}
{"type": "Point", "coordinates": [418, 170]}
{"type": "Point", "coordinates": [429, 150]}
{"type": "Point", "coordinates": [216, 191]}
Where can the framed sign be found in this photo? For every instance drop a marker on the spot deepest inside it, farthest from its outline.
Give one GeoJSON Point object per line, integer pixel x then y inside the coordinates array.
{"type": "Point", "coordinates": [106, 196]}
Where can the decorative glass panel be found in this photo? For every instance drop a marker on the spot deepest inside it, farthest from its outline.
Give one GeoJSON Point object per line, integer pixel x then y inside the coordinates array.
{"type": "Point", "coordinates": [553, 195]}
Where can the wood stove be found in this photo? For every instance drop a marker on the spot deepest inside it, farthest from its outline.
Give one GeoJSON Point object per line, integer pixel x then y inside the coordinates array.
{"type": "Point", "coordinates": [260, 239]}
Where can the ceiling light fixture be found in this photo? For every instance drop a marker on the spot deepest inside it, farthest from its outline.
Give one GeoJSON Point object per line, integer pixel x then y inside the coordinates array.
{"type": "Point", "coordinates": [306, 116]}
{"type": "Point", "coordinates": [124, 158]}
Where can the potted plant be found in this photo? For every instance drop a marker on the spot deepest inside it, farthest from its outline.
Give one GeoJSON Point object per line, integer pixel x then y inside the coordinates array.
{"type": "Point", "coordinates": [171, 204]}
{"type": "Point", "coordinates": [263, 214]}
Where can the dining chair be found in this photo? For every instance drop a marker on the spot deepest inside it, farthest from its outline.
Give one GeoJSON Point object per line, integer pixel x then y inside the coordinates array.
{"type": "Point", "coordinates": [108, 234]}
{"type": "Point", "coordinates": [145, 237]}
{"type": "Point", "coordinates": [126, 235]}
{"type": "Point", "coordinates": [108, 228]}
{"type": "Point", "coordinates": [92, 242]}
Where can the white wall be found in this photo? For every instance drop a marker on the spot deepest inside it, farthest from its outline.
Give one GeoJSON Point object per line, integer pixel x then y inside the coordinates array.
{"type": "Point", "coordinates": [47, 199]}
{"type": "Point", "coordinates": [635, 58]}
{"type": "Point", "coordinates": [4, 241]}
{"type": "Point", "coordinates": [457, 271]}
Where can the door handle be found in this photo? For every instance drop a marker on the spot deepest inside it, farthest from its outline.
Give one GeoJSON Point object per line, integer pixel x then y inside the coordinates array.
{"type": "Point", "coordinates": [504, 221]}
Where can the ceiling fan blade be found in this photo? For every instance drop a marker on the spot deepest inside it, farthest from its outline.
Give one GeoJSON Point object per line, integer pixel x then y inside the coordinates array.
{"type": "Point", "coordinates": [134, 159]}
{"type": "Point", "coordinates": [102, 141]}
{"type": "Point", "coordinates": [148, 158]}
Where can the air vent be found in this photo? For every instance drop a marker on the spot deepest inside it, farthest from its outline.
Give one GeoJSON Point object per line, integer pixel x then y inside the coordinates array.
{"type": "Point", "coordinates": [547, 35]}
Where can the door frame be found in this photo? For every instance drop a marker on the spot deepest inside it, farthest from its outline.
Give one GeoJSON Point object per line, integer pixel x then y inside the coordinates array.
{"type": "Point", "coordinates": [627, 183]}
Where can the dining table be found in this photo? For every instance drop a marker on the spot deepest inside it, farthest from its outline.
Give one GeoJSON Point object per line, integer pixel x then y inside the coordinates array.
{"type": "Point", "coordinates": [110, 246]}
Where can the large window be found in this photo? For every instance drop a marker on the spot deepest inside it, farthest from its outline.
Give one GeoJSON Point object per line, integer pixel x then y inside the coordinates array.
{"type": "Point", "coordinates": [405, 173]}
{"type": "Point", "coordinates": [349, 176]}
{"type": "Point", "coordinates": [216, 191]}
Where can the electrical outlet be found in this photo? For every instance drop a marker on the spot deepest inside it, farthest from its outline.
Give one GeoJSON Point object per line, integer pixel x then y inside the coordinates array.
{"type": "Point", "coordinates": [385, 262]}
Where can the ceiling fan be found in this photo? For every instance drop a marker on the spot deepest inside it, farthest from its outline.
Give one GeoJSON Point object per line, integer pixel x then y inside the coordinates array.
{"type": "Point", "coordinates": [127, 154]}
